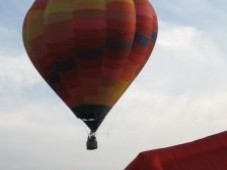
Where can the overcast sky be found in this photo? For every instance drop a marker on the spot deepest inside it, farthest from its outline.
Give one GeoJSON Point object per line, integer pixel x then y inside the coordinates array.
{"type": "Point", "coordinates": [180, 96]}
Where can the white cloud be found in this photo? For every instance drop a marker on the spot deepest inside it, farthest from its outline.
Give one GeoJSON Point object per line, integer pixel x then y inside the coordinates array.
{"type": "Point", "coordinates": [17, 73]}
{"type": "Point", "coordinates": [188, 44]}
{"type": "Point", "coordinates": [185, 60]}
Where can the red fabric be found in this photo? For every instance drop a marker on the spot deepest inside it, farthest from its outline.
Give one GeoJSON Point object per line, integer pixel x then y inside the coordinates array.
{"type": "Point", "coordinates": [205, 154]}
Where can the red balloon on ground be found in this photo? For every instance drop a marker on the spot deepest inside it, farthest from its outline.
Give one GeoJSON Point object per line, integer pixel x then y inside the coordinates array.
{"type": "Point", "coordinates": [205, 154]}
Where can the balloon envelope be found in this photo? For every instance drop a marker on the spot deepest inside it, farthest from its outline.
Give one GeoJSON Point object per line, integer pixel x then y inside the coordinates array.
{"type": "Point", "coordinates": [209, 154]}
{"type": "Point", "coordinates": [89, 51]}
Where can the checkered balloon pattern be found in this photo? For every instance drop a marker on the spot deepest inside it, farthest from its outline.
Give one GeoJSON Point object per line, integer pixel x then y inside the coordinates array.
{"type": "Point", "coordinates": [90, 51]}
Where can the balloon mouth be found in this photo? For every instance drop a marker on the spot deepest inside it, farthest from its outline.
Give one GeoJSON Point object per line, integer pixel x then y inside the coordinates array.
{"type": "Point", "coordinates": [92, 143]}
{"type": "Point", "coordinates": [91, 115]}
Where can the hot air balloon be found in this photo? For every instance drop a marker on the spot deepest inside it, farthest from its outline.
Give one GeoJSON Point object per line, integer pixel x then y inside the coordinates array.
{"type": "Point", "coordinates": [90, 51]}
{"type": "Point", "coordinates": [209, 153]}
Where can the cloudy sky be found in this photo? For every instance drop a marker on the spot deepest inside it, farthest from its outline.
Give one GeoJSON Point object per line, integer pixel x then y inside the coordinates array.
{"type": "Point", "coordinates": [180, 96]}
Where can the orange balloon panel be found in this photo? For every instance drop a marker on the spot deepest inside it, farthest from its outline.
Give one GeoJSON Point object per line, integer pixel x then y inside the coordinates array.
{"type": "Point", "coordinates": [90, 51]}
